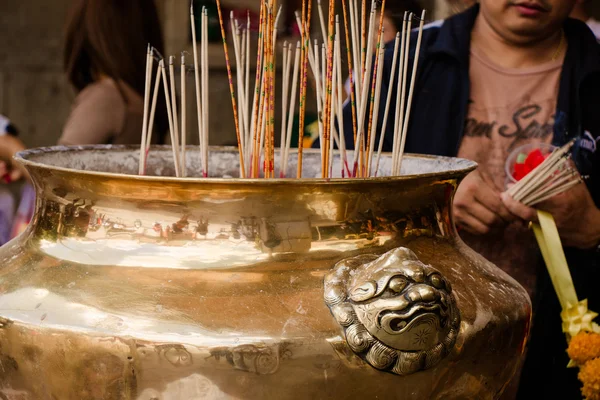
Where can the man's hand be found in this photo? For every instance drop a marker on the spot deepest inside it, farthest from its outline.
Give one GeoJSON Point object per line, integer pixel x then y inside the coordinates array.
{"type": "Point", "coordinates": [478, 207]}
{"type": "Point", "coordinates": [577, 217]}
{"type": "Point", "coordinates": [9, 172]}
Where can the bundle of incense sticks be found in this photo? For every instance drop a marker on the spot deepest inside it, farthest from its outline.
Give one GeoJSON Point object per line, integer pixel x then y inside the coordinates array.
{"type": "Point", "coordinates": [177, 127]}
{"type": "Point", "coordinates": [555, 175]}
{"type": "Point", "coordinates": [254, 107]}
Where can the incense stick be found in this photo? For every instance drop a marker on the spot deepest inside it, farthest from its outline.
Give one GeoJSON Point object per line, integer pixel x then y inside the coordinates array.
{"type": "Point", "coordinates": [149, 61]}
{"type": "Point", "coordinates": [399, 97]}
{"type": "Point", "coordinates": [170, 117]}
{"type": "Point", "coordinates": [293, 97]}
{"type": "Point", "coordinates": [239, 79]}
{"type": "Point", "coordinates": [233, 102]}
{"type": "Point", "coordinates": [411, 90]}
{"type": "Point", "coordinates": [387, 102]}
{"type": "Point", "coordinates": [257, 93]}
{"type": "Point", "coordinates": [363, 36]}
{"type": "Point", "coordinates": [183, 117]}
{"type": "Point", "coordinates": [322, 20]}
{"type": "Point", "coordinates": [397, 150]}
{"type": "Point", "coordinates": [287, 70]}
{"type": "Point", "coordinates": [152, 114]}
{"type": "Point", "coordinates": [320, 96]}
{"type": "Point", "coordinates": [197, 86]}
{"type": "Point", "coordinates": [339, 88]}
{"type": "Point", "coordinates": [174, 109]}
{"type": "Point", "coordinates": [376, 77]}
{"type": "Point", "coordinates": [544, 168]}
{"type": "Point", "coordinates": [305, 45]}
{"type": "Point", "coordinates": [205, 102]}
{"type": "Point", "coordinates": [556, 192]}
{"type": "Point", "coordinates": [372, 133]}
{"type": "Point", "coordinates": [362, 107]}
{"type": "Point", "coordinates": [247, 91]}
{"type": "Point", "coordinates": [349, 46]}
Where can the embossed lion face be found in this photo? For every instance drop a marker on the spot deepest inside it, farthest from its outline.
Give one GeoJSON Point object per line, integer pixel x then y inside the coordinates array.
{"type": "Point", "coordinates": [398, 312]}
{"type": "Point", "coordinates": [401, 301]}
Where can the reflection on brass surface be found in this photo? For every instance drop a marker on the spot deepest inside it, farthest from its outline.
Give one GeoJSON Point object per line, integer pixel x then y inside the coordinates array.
{"type": "Point", "coordinates": [397, 313]}
{"type": "Point", "coordinates": [137, 288]}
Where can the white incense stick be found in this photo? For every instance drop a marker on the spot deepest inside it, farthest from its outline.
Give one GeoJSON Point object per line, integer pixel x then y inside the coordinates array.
{"type": "Point", "coordinates": [293, 96]}
{"type": "Point", "coordinates": [197, 83]}
{"type": "Point", "coordinates": [322, 20]}
{"type": "Point", "coordinates": [247, 157]}
{"type": "Point", "coordinates": [540, 172]}
{"type": "Point", "coordinates": [284, 115]}
{"type": "Point", "coordinates": [555, 192]}
{"type": "Point", "coordinates": [411, 90]}
{"type": "Point", "coordinates": [332, 132]}
{"type": "Point", "coordinates": [152, 114]}
{"type": "Point", "coordinates": [311, 56]}
{"type": "Point", "coordinates": [364, 95]}
{"type": "Point", "coordinates": [373, 132]}
{"type": "Point", "coordinates": [399, 96]}
{"type": "Point", "coordinates": [170, 117]}
{"type": "Point", "coordinates": [320, 97]}
{"type": "Point", "coordinates": [147, 88]}
{"type": "Point", "coordinates": [340, 96]}
{"type": "Point", "coordinates": [387, 102]}
{"type": "Point", "coordinates": [553, 184]}
{"type": "Point", "coordinates": [239, 78]}
{"type": "Point", "coordinates": [205, 107]}
{"type": "Point", "coordinates": [174, 108]}
{"type": "Point", "coordinates": [548, 174]}
{"type": "Point", "coordinates": [355, 47]}
{"type": "Point", "coordinates": [183, 117]}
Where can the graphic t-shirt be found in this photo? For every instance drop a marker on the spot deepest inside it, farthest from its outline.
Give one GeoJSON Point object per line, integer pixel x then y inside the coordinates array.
{"type": "Point", "coordinates": [508, 108]}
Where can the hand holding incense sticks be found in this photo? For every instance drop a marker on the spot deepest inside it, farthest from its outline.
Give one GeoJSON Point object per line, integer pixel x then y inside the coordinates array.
{"type": "Point", "coordinates": [554, 175]}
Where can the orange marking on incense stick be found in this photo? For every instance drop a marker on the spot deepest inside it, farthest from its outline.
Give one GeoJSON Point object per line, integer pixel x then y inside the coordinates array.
{"type": "Point", "coordinates": [257, 82]}
{"type": "Point", "coordinates": [363, 38]}
{"type": "Point", "coordinates": [351, 74]}
{"type": "Point", "coordinates": [306, 42]}
{"type": "Point", "coordinates": [328, 90]}
{"type": "Point", "coordinates": [375, 70]}
{"type": "Point", "coordinates": [233, 102]}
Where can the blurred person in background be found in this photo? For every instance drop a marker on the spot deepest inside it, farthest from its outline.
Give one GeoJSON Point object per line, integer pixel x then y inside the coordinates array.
{"type": "Point", "coordinates": [11, 145]}
{"type": "Point", "coordinates": [582, 12]}
{"type": "Point", "coordinates": [105, 61]}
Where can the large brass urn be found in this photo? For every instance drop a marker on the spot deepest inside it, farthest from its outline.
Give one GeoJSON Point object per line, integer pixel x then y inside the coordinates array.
{"type": "Point", "coordinates": [161, 288]}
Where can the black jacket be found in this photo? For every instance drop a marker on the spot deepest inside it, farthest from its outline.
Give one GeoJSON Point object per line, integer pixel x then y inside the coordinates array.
{"type": "Point", "coordinates": [439, 110]}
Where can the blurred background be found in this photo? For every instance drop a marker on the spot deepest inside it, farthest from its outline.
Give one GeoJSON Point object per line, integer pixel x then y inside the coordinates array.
{"type": "Point", "coordinates": [34, 91]}
{"type": "Point", "coordinates": [35, 94]}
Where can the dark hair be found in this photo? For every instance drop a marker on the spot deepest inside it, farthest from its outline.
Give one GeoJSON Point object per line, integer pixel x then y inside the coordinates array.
{"type": "Point", "coordinates": [111, 37]}
{"type": "Point", "coordinates": [395, 10]}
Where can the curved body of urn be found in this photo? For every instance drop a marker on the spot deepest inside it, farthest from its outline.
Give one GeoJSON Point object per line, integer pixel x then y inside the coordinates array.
{"type": "Point", "coordinates": [143, 288]}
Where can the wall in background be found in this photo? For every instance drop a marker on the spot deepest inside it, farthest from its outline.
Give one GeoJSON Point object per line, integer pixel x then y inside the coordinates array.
{"type": "Point", "coordinates": [33, 90]}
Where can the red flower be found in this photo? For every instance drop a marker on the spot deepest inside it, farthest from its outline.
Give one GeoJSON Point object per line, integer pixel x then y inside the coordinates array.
{"type": "Point", "coordinates": [530, 162]}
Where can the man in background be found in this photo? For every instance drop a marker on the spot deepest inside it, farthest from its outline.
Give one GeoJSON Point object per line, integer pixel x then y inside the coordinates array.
{"type": "Point", "coordinates": [503, 74]}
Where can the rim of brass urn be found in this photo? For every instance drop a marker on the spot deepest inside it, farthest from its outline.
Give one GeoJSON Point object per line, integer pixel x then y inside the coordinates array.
{"type": "Point", "coordinates": [23, 158]}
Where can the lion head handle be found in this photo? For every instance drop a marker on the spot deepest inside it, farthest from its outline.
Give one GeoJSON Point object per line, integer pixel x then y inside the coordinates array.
{"type": "Point", "coordinates": [398, 314]}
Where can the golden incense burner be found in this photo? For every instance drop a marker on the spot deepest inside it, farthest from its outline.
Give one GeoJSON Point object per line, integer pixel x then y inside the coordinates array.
{"type": "Point", "coordinates": [154, 287]}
